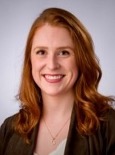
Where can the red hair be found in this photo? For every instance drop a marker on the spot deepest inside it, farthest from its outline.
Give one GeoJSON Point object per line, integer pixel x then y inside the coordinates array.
{"type": "Point", "coordinates": [90, 105]}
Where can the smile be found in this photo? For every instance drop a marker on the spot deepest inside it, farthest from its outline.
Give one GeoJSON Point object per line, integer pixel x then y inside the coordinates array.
{"type": "Point", "coordinates": [53, 78]}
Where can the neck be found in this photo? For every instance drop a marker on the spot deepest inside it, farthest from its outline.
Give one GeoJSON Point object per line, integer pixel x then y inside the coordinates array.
{"type": "Point", "coordinates": [57, 106]}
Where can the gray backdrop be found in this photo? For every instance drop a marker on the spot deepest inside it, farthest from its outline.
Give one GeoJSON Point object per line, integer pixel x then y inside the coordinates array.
{"type": "Point", "coordinates": [16, 17]}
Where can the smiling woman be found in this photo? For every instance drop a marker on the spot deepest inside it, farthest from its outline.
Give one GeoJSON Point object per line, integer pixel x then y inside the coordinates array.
{"type": "Point", "coordinates": [62, 111]}
{"type": "Point", "coordinates": [53, 61]}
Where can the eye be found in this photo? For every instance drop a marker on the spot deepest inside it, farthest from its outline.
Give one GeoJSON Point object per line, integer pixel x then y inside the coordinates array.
{"type": "Point", "coordinates": [41, 52]}
{"type": "Point", "coordinates": [64, 53]}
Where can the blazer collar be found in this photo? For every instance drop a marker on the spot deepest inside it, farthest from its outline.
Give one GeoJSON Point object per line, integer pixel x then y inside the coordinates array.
{"type": "Point", "coordinates": [76, 143]}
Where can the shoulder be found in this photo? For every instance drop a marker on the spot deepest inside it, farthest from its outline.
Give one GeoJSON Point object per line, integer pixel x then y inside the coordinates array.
{"type": "Point", "coordinates": [110, 115]}
{"type": "Point", "coordinates": [109, 123]}
{"type": "Point", "coordinates": [6, 132]}
{"type": "Point", "coordinates": [6, 127]}
{"type": "Point", "coordinates": [8, 121]}
{"type": "Point", "coordinates": [109, 119]}
{"type": "Point", "coordinates": [11, 142]}
{"type": "Point", "coordinates": [109, 131]}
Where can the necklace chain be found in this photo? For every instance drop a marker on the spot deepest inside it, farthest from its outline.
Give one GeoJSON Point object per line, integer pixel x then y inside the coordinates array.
{"type": "Point", "coordinates": [54, 137]}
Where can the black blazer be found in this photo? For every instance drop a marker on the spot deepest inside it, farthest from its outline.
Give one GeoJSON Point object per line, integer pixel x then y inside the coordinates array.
{"type": "Point", "coordinates": [100, 143]}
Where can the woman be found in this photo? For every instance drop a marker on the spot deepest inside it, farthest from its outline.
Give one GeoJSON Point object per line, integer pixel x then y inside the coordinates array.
{"type": "Point", "coordinates": [62, 112]}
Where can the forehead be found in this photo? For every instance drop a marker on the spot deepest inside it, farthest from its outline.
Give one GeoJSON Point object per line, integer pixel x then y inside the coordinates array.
{"type": "Point", "coordinates": [48, 34]}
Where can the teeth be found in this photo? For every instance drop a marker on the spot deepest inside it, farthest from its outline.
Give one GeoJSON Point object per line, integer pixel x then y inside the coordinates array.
{"type": "Point", "coordinates": [53, 77]}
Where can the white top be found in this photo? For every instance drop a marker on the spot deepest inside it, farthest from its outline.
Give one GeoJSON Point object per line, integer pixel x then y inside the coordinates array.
{"type": "Point", "coordinates": [59, 150]}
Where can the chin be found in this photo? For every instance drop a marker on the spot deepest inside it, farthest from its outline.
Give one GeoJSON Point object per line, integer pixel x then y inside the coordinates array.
{"type": "Point", "coordinates": [52, 93]}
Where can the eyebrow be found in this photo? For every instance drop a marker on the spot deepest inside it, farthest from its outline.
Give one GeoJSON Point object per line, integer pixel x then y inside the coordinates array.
{"type": "Point", "coordinates": [58, 48]}
{"type": "Point", "coordinates": [65, 47]}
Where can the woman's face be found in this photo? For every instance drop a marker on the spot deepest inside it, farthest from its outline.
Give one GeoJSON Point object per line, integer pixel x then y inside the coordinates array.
{"type": "Point", "coordinates": [54, 67]}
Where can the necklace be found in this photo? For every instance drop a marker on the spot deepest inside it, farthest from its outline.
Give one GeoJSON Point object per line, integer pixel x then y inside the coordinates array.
{"type": "Point", "coordinates": [52, 136]}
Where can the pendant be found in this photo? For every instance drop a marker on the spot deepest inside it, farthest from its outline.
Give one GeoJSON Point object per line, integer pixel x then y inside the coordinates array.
{"type": "Point", "coordinates": [53, 141]}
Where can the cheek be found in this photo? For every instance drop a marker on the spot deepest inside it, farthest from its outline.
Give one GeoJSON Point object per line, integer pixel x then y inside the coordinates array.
{"type": "Point", "coordinates": [74, 72]}
{"type": "Point", "coordinates": [35, 68]}
{"type": "Point", "coordinates": [35, 65]}
{"type": "Point", "coordinates": [35, 74]}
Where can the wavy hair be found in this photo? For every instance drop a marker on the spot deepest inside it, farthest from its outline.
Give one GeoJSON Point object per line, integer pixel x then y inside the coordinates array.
{"type": "Point", "coordinates": [90, 105]}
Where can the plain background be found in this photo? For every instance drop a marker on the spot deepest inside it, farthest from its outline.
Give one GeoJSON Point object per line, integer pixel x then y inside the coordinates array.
{"type": "Point", "coordinates": [16, 17]}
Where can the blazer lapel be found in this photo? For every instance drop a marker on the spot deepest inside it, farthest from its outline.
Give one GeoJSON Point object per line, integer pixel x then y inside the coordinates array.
{"type": "Point", "coordinates": [76, 144]}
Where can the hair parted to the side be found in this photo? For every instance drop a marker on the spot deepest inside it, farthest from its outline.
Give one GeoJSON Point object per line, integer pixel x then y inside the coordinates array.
{"type": "Point", "coordinates": [90, 105]}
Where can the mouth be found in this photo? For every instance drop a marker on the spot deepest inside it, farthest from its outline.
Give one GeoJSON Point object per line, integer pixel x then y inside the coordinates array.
{"type": "Point", "coordinates": [53, 78]}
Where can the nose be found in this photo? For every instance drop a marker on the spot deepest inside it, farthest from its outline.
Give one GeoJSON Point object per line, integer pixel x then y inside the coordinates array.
{"type": "Point", "coordinates": [53, 62]}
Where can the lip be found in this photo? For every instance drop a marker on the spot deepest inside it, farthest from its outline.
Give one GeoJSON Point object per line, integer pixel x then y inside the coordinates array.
{"type": "Point", "coordinates": [53, 78]}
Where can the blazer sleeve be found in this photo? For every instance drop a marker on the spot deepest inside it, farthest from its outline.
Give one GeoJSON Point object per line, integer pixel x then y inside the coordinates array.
{"type": "Point", "coordinates": [110, 133]}
{"type": "Point", "coordinates": [11, 143]}
{"type": "Point", "coordinates": [5, 134]}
